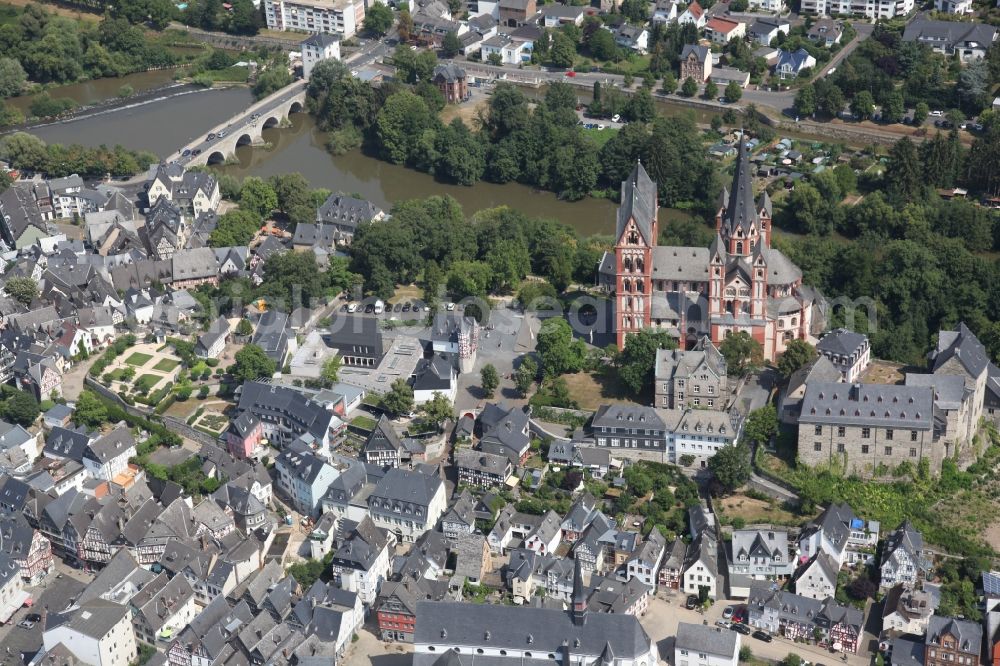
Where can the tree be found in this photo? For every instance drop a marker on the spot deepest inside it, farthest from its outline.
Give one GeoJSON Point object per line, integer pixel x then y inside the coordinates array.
{"type": "Point", "coordinates": [894, 108]}
{"type": "Point", "coordinates": [636, 11]}
{"type": "Point", "coordinates": [244, 328]}
{"type": "Point", "coordinates": [903, 178]}
{"type": "Point", "coordinates": [252, 364]}
{"type": "Point", "coordinates": [711, 89]}
{"type": "Point", "coordinates": [805, 100]}
{"type": "Point", "coordinates": [797, 354]}
{"type": "Point", "coordinates": [601, 44]}
{"type": "Point", "coordinates": [400, 126]}
{"type": "Point", "coordinates": [258, 196]}
{"type": "Point", "coordinates": [761, 425]}
{"type": "Point", "coordinates": [640, 107]}
{"type": "Point", "coordinates": [378, 19]}
{"type": "Point", "coordinates": [12, 77]}
{"type": "Point", "coordinates": [920, 112]}
{"type": "Point", "coordinates": [559, 352]}
{"type": "Point", "coordinates": [451, 44]}
{"type": "Point", "coordinates": [90, 410]}
{"type": "Point", "coordinates": [21, 408]}
{"type": "Point", "coordinates": [294, 200]}
{"type": "Point", "coordinates": [638, 358]}
{"type": "Point", "coordinates": [494, 59]}
{"type": "Point", "coordinates": [399, 399]}
{"type": "Point", "coordinates": [235, 227]}
{"type": "Point", "coordinates": [743, 354]}
{"type": "Point", "coordinates": [331, 370]}
{"type": "Point", "coordinates": [525, 375]}
{"type": "Point", "coordinates": [689, 88]}
{"type": "Point", "coordinates": [404, 25]}
{"type": "Point", "coordinates": [489, 379]}
{"type": "Point", "coordinates": [563, 51]}
{"type": "Point", "coordinates": [731, 466]}
{"type": "Point", "coordinates": [270, 80]}
{"type": "Point", "coordinates": [669, 85]}
{"type": "Point", "coordinates": [863, 105]}
{"type": "Point", "coordinates": [22, 289]}
{"type": "Point", "coordinates": [438, 409]}
{"type": "Point", "coordinates": [734, 92]}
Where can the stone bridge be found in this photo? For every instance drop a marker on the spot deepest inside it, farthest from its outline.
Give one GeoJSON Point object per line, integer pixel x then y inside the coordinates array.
{"type": "Point", "coordinates": [244, 129]}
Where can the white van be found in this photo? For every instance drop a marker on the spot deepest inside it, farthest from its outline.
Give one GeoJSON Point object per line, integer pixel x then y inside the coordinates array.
{"type": "Point", "coordinates": [352, 307]}
{"type": "Point", "coordinates": [379, 307]}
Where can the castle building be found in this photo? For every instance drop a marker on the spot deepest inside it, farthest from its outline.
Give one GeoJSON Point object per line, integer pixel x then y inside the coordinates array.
{"type": "Point", "coordinates": [739, 283]}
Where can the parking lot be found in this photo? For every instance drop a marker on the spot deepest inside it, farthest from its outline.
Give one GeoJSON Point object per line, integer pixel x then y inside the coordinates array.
{"type": "Point", "coordinates": [666, 611]}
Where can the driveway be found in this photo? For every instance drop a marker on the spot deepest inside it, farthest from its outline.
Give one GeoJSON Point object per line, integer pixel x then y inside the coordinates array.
{"type": "Point", "coordinates": [73, 381]}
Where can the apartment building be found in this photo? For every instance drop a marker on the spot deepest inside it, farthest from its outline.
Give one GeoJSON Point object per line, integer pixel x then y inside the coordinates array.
{"type": "Point", "coordinates": [342, 17]}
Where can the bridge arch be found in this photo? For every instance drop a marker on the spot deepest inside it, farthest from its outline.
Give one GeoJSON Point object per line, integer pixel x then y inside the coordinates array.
{"type": "Point", "coordinates": [295, 107]}
{"type": "Point", "coordinates": [216, 157]}
{"type": "Point", "coordinates": [244, 139]}
{"type": "Point", "coordinates": [270, 121]}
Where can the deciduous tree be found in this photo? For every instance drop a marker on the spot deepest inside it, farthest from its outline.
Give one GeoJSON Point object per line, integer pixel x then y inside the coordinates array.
{"type": "Point", "coordinates": [489, 379]}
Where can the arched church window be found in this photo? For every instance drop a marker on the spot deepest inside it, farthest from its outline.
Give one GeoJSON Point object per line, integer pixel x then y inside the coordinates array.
{"type": "Point", "coordinates": [739, 247]}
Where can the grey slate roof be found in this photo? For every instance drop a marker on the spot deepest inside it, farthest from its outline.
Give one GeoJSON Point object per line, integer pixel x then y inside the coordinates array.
{"type": "Point", "coordinates": [949, 390]}
{"type": "Point", "coordinates": [627, 416]}
{"type": "Point", "coordinates": [510, 627]}
{"type": "Point", "coordinates": [321, 40]}
{"type": "Point", "coordinates": [873, 405]}
{"type": "Point", "coordinates": [383, 438]}
{"type": "Point", "coordinates": [702, 52]}
{"type": "Point", "coordinates": [638, 202]}
{"type": "Point", "coordinates": [449, 72]}
{"type": "Point", "coordinates": [968, 634]}
{"type": "Point", "coordinates": [705, 639]}
{"type": "Point", "coordinates": [741, 212]}
{"type": "Point", "coordinates": [841, 341]}
{"type": "Point", "coordinates": [964, 346]}
{"type": "Point", "coordinates": [949, 34]}
{"type": "Point", "coordinates": [406, 486]}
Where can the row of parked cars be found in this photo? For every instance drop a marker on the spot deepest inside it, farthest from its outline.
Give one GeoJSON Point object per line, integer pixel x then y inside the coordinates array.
{"type": "Point", "coordinates": [734, 618]}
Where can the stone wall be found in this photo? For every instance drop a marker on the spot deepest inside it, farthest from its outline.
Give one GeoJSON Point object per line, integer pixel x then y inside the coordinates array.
{"type": "Point", "coordinates": [846, 451]}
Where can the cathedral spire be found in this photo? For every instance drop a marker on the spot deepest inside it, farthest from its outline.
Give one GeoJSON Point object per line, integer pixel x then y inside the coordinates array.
{"type": "Point", "coordinates": [741, 211]}
{"type": "Point", "coordinates": [579, 595]}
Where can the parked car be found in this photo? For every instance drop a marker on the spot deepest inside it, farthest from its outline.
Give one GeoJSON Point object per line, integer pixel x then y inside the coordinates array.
{"type": "Point", "coordinates": [936, 114]}
{"type": "Point", "coordinates": [26, 624]}
{"type": "Point", "coordinates": [741, 628]}
{"type": "Point", "coordinates": [370, 308]}
{"type": "Point", "coordinates": [210, 136]}
{"type": "Point", "coordinates": [692, 602]}
{"type": "Point", "coordinates": [571, 73]}
{"type": "Point", "coordinates": [33, 617]}
{"type": "Point", "coordinates": [397, 307]}
{"type": "Point", "coordinates": [725, 624]}
{"type": "Point", "coordinates": [727, 613]}
{"type": "Point", "coordinates": [352, 307]}
{"type": "Point", "coordinates": [762, 636]}
{"type": "Point", "coordinates": [406, 306]}
{"type": "Point", "coordinates": [196, 151]}
{"type": "Point", "coordinates": [343, 308]}
{"type": "Point", "coordinates": [615, 118]}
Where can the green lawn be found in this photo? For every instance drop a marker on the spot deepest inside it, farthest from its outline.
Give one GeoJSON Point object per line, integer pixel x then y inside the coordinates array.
{"type": "Point", "coordinates": [139, 359]}
{"type": "Point", "coordinates": [235, 74]}
{"type": "Point", "coordinates": [146, 382]}
{"type": "Point", "coordinates": [363, 422]}
{"type": "Point", "coordinates": [600, 137]}
{"type": "Point", "coordinates": [166, 364]}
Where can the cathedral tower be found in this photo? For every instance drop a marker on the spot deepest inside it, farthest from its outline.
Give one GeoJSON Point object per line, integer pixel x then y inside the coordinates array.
{"type": "Point", "coordinates": [636, 235]}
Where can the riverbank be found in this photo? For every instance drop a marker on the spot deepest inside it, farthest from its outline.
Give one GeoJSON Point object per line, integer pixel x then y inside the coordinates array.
{"type": "Point", "coordinates": [116, 104]}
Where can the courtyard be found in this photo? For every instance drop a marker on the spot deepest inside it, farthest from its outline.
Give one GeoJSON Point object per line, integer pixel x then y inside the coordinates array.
{"type": "Point", "coordinates": [146, 369]}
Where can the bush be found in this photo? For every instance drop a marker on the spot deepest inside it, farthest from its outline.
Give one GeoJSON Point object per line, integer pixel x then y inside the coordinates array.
{"type": "Point", "coordinates": [203, 80]}
{"type": "Point", "coordinates": [211, 362]}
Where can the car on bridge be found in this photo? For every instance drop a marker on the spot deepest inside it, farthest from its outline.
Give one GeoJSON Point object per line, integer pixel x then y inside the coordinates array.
{"type": "Point", "coordinates": [187, 151]}
{"type": "Point", "coordinates": [210, 136]}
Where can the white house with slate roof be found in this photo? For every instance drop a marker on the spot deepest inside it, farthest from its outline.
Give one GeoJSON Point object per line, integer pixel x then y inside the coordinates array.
{"type": "Point", "coordinates": [902, 557]}
{"type": "Point", "coordinates": [849, 352]}
{"type": "Point", "coordinates": [760, 554]}
{"type": "Point", "coordinates": [321, 46]}
{"type": "Point", "coordinates": [817, 577]}
{"type": "Point", "coordinates": [304, 478]}
{"type": "Point", "coordinates": [108, 455]}
{"type": "Point", "coordinates": [97, 632]}
{"type": "Point", "coordinates": [362, 561]}
{"type": "Point", "coordinates": [841, 534]}
{"type": "Point", "coordinates": [407, 503]}
{"type": "Point", "coordinates": [701, 645]}
{"type": "Point", "coordinates": [459, 634]}
{"type": "Point", "coordinates": [383, 446]}
{"type": "Point", "coordinates": [701, 566]}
